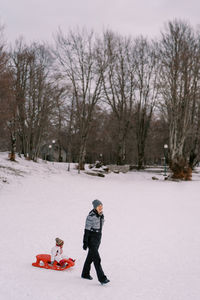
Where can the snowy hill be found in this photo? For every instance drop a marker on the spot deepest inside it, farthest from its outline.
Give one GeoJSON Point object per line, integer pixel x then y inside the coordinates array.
{"type": "Point", "coordinates": [150, 246]}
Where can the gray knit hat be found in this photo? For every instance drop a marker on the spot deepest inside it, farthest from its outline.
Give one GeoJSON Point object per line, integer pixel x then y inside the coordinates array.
{"type": "Point", "coordinates": [59, 242]}
{"type": "Point", "coordinates": [96, 203]}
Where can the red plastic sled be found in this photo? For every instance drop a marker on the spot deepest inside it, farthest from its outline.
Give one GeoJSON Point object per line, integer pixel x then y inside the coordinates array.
{"type": "Point", "coordinates": [44, 261]}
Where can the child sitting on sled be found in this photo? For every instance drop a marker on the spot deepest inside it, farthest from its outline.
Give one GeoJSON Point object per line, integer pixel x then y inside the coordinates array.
{"type": "Point", "coordinates": [57, 255]}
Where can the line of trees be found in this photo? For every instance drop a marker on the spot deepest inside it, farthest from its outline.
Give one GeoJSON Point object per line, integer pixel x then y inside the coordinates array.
{"type": "Point", "coordinates": [104, 96]}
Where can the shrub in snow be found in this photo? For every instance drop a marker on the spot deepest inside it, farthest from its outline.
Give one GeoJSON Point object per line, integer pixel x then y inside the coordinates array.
{"type": "Point", "coordinates": [11, 156]}
{"type": "Point", "coordinates": [181, 170]}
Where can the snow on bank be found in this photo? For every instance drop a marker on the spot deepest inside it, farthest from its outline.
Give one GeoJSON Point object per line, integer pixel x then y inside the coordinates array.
{"type": "Point", "coordinates": [150, 246]}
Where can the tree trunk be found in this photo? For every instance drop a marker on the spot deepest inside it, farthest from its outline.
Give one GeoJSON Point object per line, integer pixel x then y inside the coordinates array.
{"type": "Point", "coordinates": [140, 164]}
{"type": "Point", "coordinates": [13, 147]}
{"type": "Point", "coordinates": [82, 155]}
{"type": "Point", "coordinates": [121, 154]}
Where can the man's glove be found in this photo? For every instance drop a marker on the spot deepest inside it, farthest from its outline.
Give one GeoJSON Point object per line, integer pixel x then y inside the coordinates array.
{"type": "Point", "coordinates": [85, 246]}
{"type": "Point", "coordinates": [85, 239]}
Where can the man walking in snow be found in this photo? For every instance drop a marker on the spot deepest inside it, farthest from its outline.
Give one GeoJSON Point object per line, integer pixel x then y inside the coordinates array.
{"type": "Point", "coordinates": [92, 240]}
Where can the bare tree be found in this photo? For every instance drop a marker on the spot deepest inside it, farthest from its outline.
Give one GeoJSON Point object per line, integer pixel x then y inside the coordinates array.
{"type": "Point", "coordinates": [7, 105]}
{"type": "Point", "coordinates": [70, 130]}
{"type": "Point", "coordinates": [192, 145]}
{"type": "Point", "coordinates": [177, 49]}
{"type": "Point", "coordinates": [64, 119]}
{"type": "Point", "coordinates": [33, 95]}
{"type": "Point", "coordinates": [119, 85]}
{"type": "Point", "coordinates": [77, 54]}
{"type": "Point", "coordinates": [146, 74]}
{"type": "Point", "coordinates": [59, 117]}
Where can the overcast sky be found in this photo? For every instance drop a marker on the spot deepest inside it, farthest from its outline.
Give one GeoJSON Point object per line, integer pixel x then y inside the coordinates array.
{"type": "Point", "coordinates": [39, 19]}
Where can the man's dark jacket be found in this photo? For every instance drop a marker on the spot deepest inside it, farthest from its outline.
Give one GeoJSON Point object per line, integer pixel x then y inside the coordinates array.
{"type": "Point", "coordinates": [93, 229]}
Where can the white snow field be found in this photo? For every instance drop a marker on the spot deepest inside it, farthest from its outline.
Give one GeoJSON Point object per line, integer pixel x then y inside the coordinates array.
{"type": "Point", "coordinates": [150, 246]}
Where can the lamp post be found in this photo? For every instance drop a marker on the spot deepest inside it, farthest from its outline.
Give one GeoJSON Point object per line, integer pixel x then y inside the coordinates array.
{"type": "Point", "coordinates": [50, 146]}
{"type": "Point", "coordinates": [165, 156]}
{"type": "Point", "coordinates": [53, 143]}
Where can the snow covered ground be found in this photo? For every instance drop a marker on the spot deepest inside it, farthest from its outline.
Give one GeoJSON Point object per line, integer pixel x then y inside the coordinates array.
{"type": "Point", "coordinates": [151, 240]}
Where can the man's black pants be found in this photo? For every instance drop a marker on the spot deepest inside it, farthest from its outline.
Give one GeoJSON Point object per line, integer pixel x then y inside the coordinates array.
{"type": "Point", "coordinates": [93, 256]}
